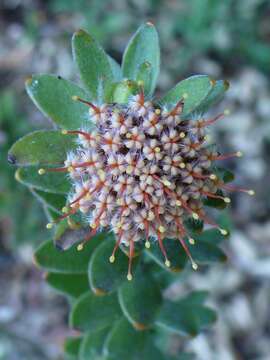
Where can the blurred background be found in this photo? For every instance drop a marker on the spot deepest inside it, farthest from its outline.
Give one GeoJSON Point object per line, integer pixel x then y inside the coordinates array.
{"type": "Point", "coordinates": [227, 39]}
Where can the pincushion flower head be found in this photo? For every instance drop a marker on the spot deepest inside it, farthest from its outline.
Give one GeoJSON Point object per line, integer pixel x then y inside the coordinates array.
{"type": "Point", "coordinates": [139, 167]}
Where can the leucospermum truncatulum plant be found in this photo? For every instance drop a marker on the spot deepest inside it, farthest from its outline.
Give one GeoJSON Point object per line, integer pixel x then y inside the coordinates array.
{"type": "Point", "coordinates": [130, 172]}
{"type": "Point", "coordinates": [140, 172]}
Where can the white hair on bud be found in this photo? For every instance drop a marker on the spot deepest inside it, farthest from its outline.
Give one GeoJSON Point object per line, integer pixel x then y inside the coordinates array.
{"type": "Point", "coordinates": [141, 171]}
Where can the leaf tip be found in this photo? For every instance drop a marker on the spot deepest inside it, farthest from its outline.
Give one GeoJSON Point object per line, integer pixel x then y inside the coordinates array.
{"type": "Point", "coordinates": [99, 292]}
{"type": "Point", "coordinates": [28, 81]}
{"type": "Point", "coordinates": [139, 326]}
{"type": "Point", "coordinates": [79, 32]}
{"type": "Point", "coordinates": [213, 82]}
{"type": "Point", "coordinates": [35, 260]}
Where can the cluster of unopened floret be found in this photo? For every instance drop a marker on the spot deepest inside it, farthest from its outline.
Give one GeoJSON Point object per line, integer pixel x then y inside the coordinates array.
{"type": "Point", "coordinates": [142, 172]}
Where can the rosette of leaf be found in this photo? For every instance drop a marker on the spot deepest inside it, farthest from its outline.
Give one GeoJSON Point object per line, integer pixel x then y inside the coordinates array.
{"type": "Point", "coordinates": [124, 179]}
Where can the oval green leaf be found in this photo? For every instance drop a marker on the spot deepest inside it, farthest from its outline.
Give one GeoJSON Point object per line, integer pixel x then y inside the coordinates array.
{"type": "Point", "coordinates": [92, 344]}
{"type": "Point", "coordinates": [196, 297]}
{"type": "Point", "coordinates": [224, 174]}
{"type": "Point", "coordinates": [91, 312]}
{"type": "Point", "coordinates": [116, 69]}
{"type": "Point", "coordinates": [57, 183]}
{"type": "Point", "coordinates": [53, 201]}
{"type": "Point", "coordinates": [143, 47]}
{"type": "Point", "coordinates": [53, 96]}
{"type": "Point", "coordinates": [215, 95]}
{"type": "Point", "coordinates": [145, 74]}
{"type": "Point", "coordinates": [105, 277]}
{"type": "Point", "coordinates": [203, 252]}
{"type": "Point", "coordinates": [175, 253]}
{"type": "Point", "coordinates": [50, 214]}
{"type": "Point", "coordinates": [185, 318]}
{"type": "Point", "coordinates": [212, 236]}
{"type": "Point", "coordinates": [52, 259]}
{"type": "Point", "coordinates": [193, 90]}
{"type": "Point", "coordinates": [216, 203]}
{"type": "Point", "coordinates": [71, 347]}
{"type": "Point", "coordinates": [206, 252]}
{"type": "Point", "coordinates": [93, 63]}
{"type": "Point", "coordinates": [72, 285]}
{"type": "Point", "coordinates": [140, 299]}
{"type": "Point", "coordinates": [41, 148]}
{"type": "Point", "coordinates": [124, 342]}
{"type": "Point", "coordinates": [120, 92]}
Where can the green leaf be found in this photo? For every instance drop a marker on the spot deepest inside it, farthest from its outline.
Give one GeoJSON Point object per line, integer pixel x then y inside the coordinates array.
{"type": "Point", "coordinates": [140, 299]}
{"type": "Point", "coordinates": [143, 47]}
{"type": "Point", "coordinates": [145, 75]}
{"type": "Point", "coordinates": [53, 96]}
{"type": "Point", "coordinates": [91, 312]}
{"type": "Point", "coordinates": [124, 342]}
{"type": "Point", "coordinates": [225, 221]}
{"type": "Point", "coordinates": [185, 318]}
{"type": "Point", "coordinates": [92, 344]}
{"type": "Point", "coordinates": [93, 63]}
{"type": "Point", "coordinates": [57, 183]}
{"type": "Point", "coordinates": [216, 203]}
{"type": "Point", "coordinates": [41, 148]}
{"type": "Point", "coordinates": [52, 259]}
{"type": "Point", "coordinates": [196, 297]}
{"type": "Point", "coordinates": [205, 253]}
{"type": "Point", "coordinates": [193, 89]}
{"type": "Point", "coordinates": [212, 236]}
{"type": "Point", "coordinates": [224, 174]}
{"type": "Point", "coordinates": [151, 352]}
{"type": "Point", "coordinates": [175, 253]}
{"type": "Point", "coordinates": [214, 96]}
{"type": "Point", "coordinates": [120, 92]}
{"type": "Point", "coordinates": [164, 278]}
{"type": "Point", "coordinates": [71, 347]}
{"type": "Point", "coordinates": [53, 201]}
{"type": "Point", "coordinates": [105, 277]}
{"type": "Point", "coordinates": [116, 69]}
{"type": "Point", "coordinates": [51, 214]}
{"type": "Point", "coordinates": [195, 226]}
{"type": "Point", "coordinates": [73, 285]}
{"type": "Point", "coordinates": [202, 252]}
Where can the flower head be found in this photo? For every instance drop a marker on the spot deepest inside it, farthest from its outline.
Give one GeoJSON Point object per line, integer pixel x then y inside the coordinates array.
{"type": "Point", "coordinates": [142, 172]}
